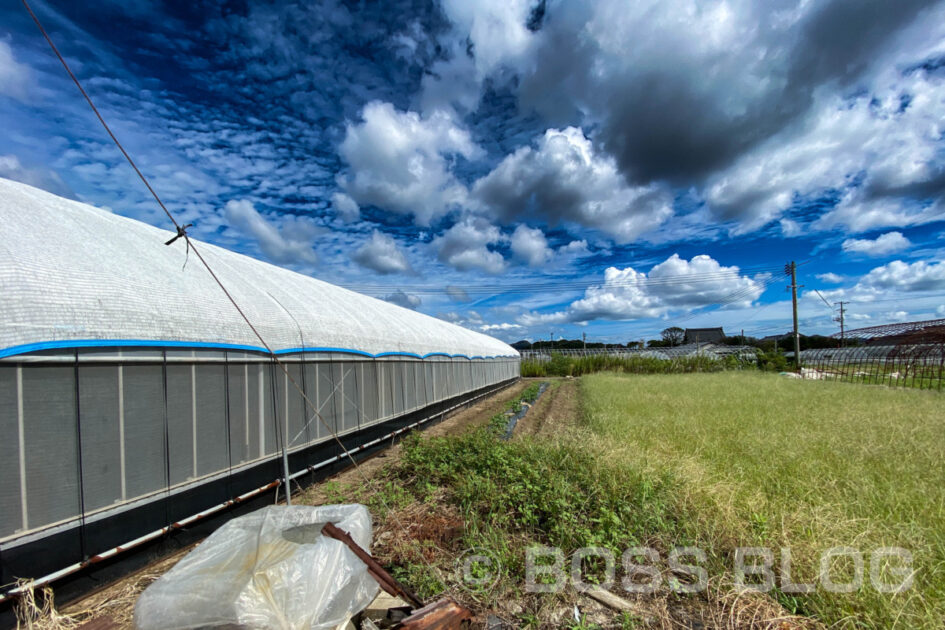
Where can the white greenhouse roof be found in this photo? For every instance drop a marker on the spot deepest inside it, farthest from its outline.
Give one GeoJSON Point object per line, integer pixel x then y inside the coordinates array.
{"type": "Point", "coordinates": [72, 275]}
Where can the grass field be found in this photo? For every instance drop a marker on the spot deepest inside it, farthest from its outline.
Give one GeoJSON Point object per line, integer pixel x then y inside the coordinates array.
{"type": "Point", "coordinates": [760, 460]}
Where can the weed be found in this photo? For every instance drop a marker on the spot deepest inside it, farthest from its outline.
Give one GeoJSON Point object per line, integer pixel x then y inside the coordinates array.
{"type": "Point", "coordinates": [561, 365]}
{"type": "Point", "coordinates": [629, 621]}
{"type": "Point", "coordinates": [765, 461]}
{"type": "Point", "coordinates": [583, 624]}
{"type": "Point", "coordinates": [418, 575]}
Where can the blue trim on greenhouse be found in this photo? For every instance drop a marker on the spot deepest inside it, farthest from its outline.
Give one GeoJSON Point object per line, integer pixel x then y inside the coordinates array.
{"type": "Point", "coordinates": [152, 343]}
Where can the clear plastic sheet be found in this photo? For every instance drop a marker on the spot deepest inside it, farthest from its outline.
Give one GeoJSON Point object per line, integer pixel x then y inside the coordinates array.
{"type": "Point", "coordinates": [268, 569]}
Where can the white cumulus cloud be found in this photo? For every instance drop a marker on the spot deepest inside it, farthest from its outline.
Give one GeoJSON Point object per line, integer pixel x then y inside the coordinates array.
{"type": "Point", "coordinates": [382, 254]}
{"type": "Point", "coordinates": [465, 246]}
{"type": "Point", "coordinates": [882, 245]}
{"type": "Point", "coordinates": [531, 246]}
{"type": "Point", "coordinates": [346, 207]}
{"type": "Point", "coordinates": [830, 277]}
{"type": "Point", "coordinates": [902, 276]}
{"type": "Point", "coordinates": [398, 161]}
{"type": "Point", "coordinates": [565, 179]}
{"type": "Point", "coordinates": [675, 283]}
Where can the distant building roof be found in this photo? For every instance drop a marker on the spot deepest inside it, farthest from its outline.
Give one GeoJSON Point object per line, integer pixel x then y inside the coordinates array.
{"type": "Point", "coordinates": [704, 335]}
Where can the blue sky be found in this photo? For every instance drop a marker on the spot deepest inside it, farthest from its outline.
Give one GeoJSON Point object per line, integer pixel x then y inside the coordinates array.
{"type": "Point", "coordinates": [521, 168]}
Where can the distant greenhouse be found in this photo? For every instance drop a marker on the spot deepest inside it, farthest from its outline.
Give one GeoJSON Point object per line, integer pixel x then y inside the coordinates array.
{"type": "Point", "coordinates": [133, 395]}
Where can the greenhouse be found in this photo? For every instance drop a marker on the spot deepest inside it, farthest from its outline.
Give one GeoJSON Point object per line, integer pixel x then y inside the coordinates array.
{"type": "Point", "coordinates": [134, 395]}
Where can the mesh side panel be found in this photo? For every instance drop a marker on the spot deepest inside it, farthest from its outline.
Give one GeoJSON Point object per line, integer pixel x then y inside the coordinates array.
{"type": "Point", "coordinates": [439, 382]}
{"type": "Point", "coordinates": [101, 445]}
{"type": "Point", "coordinates": [296, 406]}
{"type": "Point", "coordinates": [268, 409]}
{"type": "Point", "coordinates": [398, 381]}
{"type": "Point", "coordinates": [238, 403]}
{"type": "Point", "coordinates": [211, 419]}
{"type": "Point", "coordinates": [279, 422]}
{"type": "Point", "coordinates": [312, 423]}
{"type": "Point", "coordinates": [49, 422]}
{"type": "Point", "coordinates": [422, 399]}
{"type": "Point", "coordinates": [368, 392]}
{"type": "Point", "coordinates": [11, 518]}
{"type": "Point", "coordinates": [144, 429]}
{"type": "Point", "coordinates": [259, 413]}
{"type": "Point", "coordinates": [410, 385]}
{"type": "Point", "coordinates": [350, 399]}
{"type": "Point", "coordinates": [337, 398]}
{"type": "Point", "coordinates": [180, 423]}
{"type": "Point", "coordinates": [428, 382]}
{"type": "Point", "coordinates": [383, 389]}
{"type": "Point", "coordinates": [326, 399]}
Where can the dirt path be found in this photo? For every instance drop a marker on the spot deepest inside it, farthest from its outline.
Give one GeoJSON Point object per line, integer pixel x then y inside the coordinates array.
{"type": "Point", "coordinates": [117, 599]}
{"type": "Point", "coordinates": [556, 410]}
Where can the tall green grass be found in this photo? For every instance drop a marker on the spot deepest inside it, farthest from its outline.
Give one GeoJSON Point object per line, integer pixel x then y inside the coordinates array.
{"type": "Point", "coordinates": [768, 461]}
{"type": "Point", "coordinates": [561, 365]}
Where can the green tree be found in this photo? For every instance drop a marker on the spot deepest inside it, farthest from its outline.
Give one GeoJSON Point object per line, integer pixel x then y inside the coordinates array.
{"type": "Point", "coordinates": [673, 335]}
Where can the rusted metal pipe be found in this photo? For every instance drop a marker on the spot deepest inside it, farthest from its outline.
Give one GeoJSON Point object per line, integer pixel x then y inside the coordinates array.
{"type": "Point", "coordinates": [385, 579]}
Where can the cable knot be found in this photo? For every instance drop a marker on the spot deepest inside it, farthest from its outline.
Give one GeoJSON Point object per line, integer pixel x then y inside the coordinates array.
{"type": "Point", "coordinates": [181, 233]}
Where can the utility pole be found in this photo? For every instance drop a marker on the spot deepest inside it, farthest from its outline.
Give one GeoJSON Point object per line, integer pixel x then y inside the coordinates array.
{"type": "Point", "coordinates": [791, 269]}
{"type": "Point", "coordinates": [584, 339]}
{"type": "Point", "coordinates": [840, 319]}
